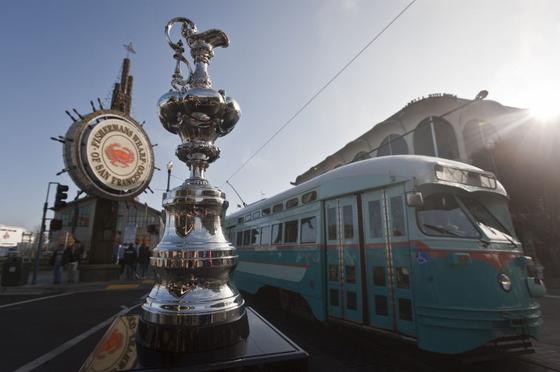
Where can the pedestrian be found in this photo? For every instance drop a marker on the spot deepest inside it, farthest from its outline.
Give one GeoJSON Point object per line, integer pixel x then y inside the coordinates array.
{"type": "Point", "coordinates": [143, 260]}
{"type": "Point", "coordinates": [120, 256]}
{"type": "Point", "coordinates": [57, 260]}
{"type": "Point", "coordinates": [71, 262]}
{"type": "Point", "coordinates": [129, 261]}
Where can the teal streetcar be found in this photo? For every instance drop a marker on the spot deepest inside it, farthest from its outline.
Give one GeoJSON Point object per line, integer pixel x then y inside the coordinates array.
{"type": "Point", "coordinates": [417, 246]}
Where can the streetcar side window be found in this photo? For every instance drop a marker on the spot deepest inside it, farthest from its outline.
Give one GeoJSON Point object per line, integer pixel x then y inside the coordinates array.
{"type": "Point", "coordinates": [403, 278]}
{"type": "Point", "coordinates": [254, 236]}
{"type": "Point", "coordinates": [309, 197]}
{"type": "Point", "coordinates": [291, 232]}
{"type": "Point", "coordinates": [405, 309]}
{"type": "Point", "coordinates": [277, 233]}
{"type": "Point", "coordinates": [278, 208]}
{"type": "Point", "coordinates": [381, 307]}
{"type": "Point", "coordinates": [375, 223]}
{"type": "Point", "coordinates": [348, 220]}
{"type": "Point", "coordinates": [265, 235]}
{"type": "Point", "coordinates": [308, 230]}
{"type": "Point", "coordinates": [331, 223]}
{"type": "Point", "coordinates": [292, 203]}
{"type": "Point", "coordinates": [397, 216]}
{"type": "Point", "coordinates": [246, 237]}
{"type": "Point", "coordinates": [239, 241]}
{"type": "Point", "coordinates": [379, 276]}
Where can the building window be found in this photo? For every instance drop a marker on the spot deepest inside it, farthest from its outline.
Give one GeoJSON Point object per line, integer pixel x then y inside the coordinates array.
{"type": "Point", "coordinates": [361, 156]}
{"type": "Point", "coordinates": [84, 216]}
{"type": "Point", "coordinates": [478, 137]}
{"type": "Point", "coordinates": [266, 211]}
{"type": "Point", "coordinates": [291, 232]}
{"type": "Point", "coordinates": [66, 218]}
{"type": "Point", "coordinates": [393, 144]}
{"type": "Point", "coordinates": [256, 214]}
{"type": "Point", "coordinates": [445, 145]}
{"type": "Point", "coordinates": [308, 230]}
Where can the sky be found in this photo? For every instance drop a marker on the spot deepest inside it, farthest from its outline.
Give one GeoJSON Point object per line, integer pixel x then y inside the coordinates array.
{"type": "Point", "coordinates": [57, 55]}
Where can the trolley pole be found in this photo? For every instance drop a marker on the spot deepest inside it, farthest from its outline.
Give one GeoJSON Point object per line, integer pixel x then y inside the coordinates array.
{"type": "Point", "coordinates": [41, 233]}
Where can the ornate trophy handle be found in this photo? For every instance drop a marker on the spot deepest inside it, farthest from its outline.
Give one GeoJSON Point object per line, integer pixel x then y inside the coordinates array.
{"type": "Point", "coordinates": [187, 28]}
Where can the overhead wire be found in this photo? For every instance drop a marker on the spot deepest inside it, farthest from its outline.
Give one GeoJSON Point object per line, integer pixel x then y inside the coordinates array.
{"type": "Point", "coordinates": [325, 86]}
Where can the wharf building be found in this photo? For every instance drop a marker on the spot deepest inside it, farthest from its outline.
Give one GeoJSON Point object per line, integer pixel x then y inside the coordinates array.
{"type": "Point", "coordinates": [134, 223]}
{"type": "Point", "coordinates": [521, 150]}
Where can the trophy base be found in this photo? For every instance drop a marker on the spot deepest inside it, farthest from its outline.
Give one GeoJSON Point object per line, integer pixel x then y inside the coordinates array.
{"type": "Point", "coordinates": [191, 339]}
{"type": "Point", "coordinates": [265, 349]}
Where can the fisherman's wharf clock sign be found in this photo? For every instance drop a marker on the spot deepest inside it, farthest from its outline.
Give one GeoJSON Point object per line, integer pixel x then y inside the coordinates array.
{"type": "Point", "coordinates": [108, 154]}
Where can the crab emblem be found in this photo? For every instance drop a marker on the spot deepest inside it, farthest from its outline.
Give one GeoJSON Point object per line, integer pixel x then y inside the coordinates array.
{"type": "Point", "coordinates": [111, 344]}
{"type": "Point", "coordinates": [119, 156]}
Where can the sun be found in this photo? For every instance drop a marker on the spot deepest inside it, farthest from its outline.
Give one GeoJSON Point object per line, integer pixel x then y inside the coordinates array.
{"type": "Point", "coordinates": [545, 108]}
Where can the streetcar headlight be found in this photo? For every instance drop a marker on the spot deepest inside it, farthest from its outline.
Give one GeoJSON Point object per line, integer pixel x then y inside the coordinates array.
{"type": "Point", "coordinates": [505, 282]}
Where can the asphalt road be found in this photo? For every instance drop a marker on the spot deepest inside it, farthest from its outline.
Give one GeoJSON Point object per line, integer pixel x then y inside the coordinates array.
{"type": "Point", "coordinates": [34, 329]}
{"type": "Point", "coordinates": [59, 332]}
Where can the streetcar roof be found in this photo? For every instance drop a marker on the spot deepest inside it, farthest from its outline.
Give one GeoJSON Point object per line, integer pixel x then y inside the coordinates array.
{"type": "Point", "coordinates": [375, 173]}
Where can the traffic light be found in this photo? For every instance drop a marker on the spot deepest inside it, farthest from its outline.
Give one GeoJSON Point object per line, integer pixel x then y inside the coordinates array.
{"type": "Point", "coordinates": [61, 195]}
{"type": "Point", "coordinates": [55, 225]}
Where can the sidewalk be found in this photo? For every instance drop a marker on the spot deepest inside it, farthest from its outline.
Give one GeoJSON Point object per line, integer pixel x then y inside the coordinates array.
{"type": "Point", "coordinates": [44, 285]}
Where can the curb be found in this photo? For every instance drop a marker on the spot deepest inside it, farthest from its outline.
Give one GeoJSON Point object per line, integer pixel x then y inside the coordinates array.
{"type": "Point", "coordinates": [31, 290]}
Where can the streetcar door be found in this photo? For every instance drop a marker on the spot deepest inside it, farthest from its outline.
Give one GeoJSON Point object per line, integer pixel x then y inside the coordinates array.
{"type": "Point", "coordinates": [343, 259]}
{"type": "Point", "coordinates": [400, 249]}
{"type": "Point", "coordinates": [388, 260]}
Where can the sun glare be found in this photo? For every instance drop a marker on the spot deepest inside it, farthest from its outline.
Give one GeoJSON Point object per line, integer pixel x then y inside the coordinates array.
{"type": "Point", "coordinates": [546, 108]}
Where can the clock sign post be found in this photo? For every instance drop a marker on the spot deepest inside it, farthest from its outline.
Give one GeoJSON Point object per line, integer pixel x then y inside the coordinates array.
{"type": "Point", "coordinates": [109, 156]}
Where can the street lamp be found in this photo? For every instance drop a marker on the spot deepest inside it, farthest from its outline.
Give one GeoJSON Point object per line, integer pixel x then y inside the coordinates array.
{"type": "Point", "coordinates": [169, 169]}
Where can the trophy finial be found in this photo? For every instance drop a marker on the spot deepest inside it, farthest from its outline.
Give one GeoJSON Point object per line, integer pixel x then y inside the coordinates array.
{"type": "Point", "coordinates": [193, 110]}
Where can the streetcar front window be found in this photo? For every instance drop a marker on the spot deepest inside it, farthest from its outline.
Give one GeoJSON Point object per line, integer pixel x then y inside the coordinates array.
{"type": "Point", "coordinates": [441, 215]}
{"type": "Point", "coordinates": [485, 220]}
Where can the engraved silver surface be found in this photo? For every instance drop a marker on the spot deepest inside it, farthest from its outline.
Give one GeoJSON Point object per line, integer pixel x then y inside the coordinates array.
{"type": "Point", "coordinates": [194, 261]}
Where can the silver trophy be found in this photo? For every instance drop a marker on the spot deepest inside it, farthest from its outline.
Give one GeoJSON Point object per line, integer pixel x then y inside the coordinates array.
{"type": "Point", "coordinates": [193, 306]}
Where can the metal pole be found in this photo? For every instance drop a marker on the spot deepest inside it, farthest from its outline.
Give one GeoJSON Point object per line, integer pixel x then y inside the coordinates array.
{"type": "Point", "coordinates": [41, 233]}
{"type": "Point", "coordinates": [168, 178]}
{"type": "Point", "coordinates": [434, 140]}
